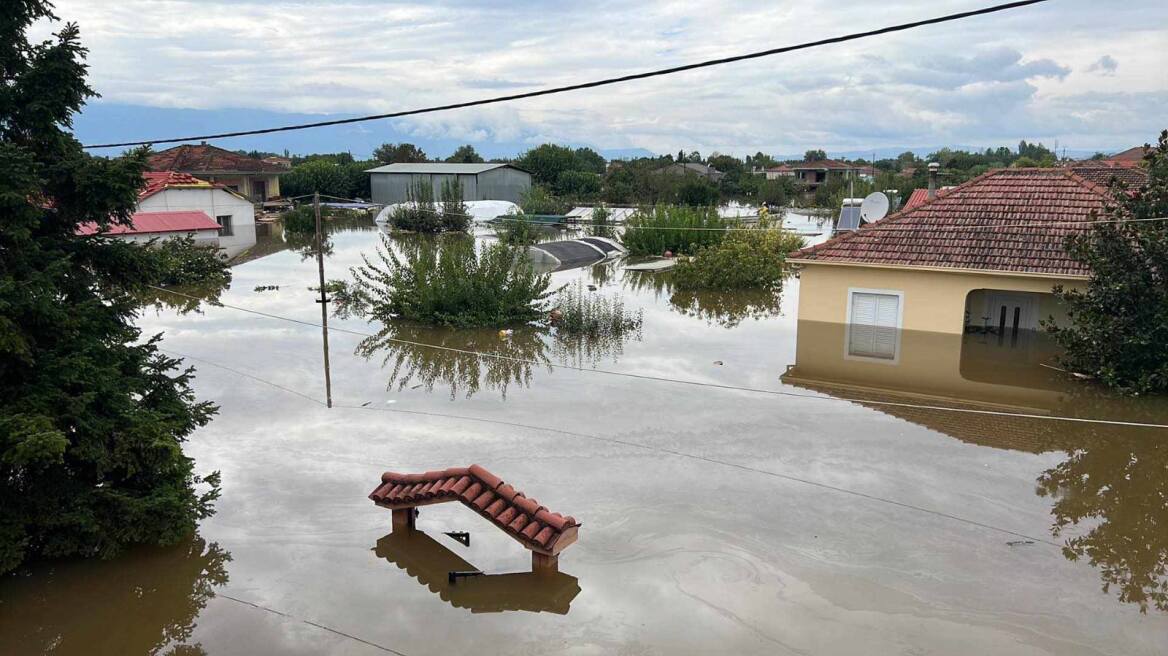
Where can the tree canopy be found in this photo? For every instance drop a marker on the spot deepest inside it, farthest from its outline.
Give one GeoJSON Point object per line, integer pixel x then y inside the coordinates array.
{"type": "Point", "coordinates": [92, 418]}
{"type": "Point", "coordinates": [391, 153]}
{"type": "Point", "coordinates": [465, 154]}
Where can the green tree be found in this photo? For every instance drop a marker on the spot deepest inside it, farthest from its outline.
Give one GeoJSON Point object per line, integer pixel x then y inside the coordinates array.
{"type": "Point", "coordinates": [817, 155]}
{"type": "Point", "coordinates": [465, 155]}
{"type": "Point", "coordinates": [1119, 320]}
{"type": "Point", "coordinates": [391, 153]}
{"type": "Point", "coordinates": [92, 418]}
{"type": "Point", "coordinates": [578, 185]}
{"type": "Point", "coordinates": [547, 162]}
{"type": "Point", "coordinates": [318, 175]}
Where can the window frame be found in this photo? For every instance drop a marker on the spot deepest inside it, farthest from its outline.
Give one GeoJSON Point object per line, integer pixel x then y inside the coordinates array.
{"type": "Point", "coordinates": [229, 225]}
{"type": "Point", "coordinates": [899, 294]}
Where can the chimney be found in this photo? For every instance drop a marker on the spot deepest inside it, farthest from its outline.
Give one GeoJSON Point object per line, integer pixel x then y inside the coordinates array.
{"type": "Point", "coordinates": [933, 168]}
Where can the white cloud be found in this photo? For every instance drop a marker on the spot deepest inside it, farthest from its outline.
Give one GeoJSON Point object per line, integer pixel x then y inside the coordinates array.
{"type": "Point", "coordinates": [980, 81]}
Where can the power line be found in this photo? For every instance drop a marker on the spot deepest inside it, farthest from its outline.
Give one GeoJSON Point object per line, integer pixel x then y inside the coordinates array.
{"type": "Point", "coordinates": [310, 623]}
{"type": "Point", "coordinates": [658, 449]}
{"type": "Point", "coordinates": [596, 83]}
{"type": "Point", "coordinates": [679, 381]}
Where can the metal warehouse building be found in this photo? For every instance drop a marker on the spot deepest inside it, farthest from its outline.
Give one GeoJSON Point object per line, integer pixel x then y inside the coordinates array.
{"type": "Point", "coordinates": [390, 183]}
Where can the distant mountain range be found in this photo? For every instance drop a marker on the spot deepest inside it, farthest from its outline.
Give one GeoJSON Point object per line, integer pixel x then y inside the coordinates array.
{"type": "Point", "coordinates": [102, 122]}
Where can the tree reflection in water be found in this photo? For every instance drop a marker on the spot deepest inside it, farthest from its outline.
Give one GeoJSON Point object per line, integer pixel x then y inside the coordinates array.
{"type": "Point", "coordinates": [722, 308]}
{"type": "Point", "coordinates": [1116, 484]}
{"type": "Point", "coordinates": [409, 350]}
{"type": "Point", "coordinates": [145, 601]}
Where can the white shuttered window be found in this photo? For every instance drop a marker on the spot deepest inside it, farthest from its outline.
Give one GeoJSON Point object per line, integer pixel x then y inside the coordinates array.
{"type": "Point", "coordinates": [873, 325]}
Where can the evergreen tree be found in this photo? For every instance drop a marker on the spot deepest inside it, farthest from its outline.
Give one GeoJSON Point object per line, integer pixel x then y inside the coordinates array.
{"type": "Point", "coordinates": [92, 418]}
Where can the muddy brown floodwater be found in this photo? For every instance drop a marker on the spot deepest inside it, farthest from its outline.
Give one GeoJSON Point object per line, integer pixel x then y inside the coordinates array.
{"type": "Point", "coordinates": [841, 519]}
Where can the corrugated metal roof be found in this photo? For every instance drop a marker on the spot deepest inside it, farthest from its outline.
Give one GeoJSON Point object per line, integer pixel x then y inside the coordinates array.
{"type": "Point", "coordinates": [440, 168]}
{"type": "Point", "coordinates": [150, 222]}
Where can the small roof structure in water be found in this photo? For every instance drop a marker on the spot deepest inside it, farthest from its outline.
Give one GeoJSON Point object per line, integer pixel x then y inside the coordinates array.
{"type": "Point", "coordinates": [615, 214]}
{"type": "Point", "coordinates": [524, 519]}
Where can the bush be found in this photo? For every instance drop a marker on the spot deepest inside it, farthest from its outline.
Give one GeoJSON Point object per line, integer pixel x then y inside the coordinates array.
{"type": "Point", "coordinates": [591, 314]}
{"type": "Point", "coordinates": [746, 259]}
{"type": "Point", "coordinates": [300, 220]}
{"type": "Point", "coordinates": [537, 200]}
{"type": "Point", "coordinates": [451, 283]}
{"type": "Point", "coordinates": [419, 213]}
{"type": "Point", "coordinates": [673, 228]}
{"type": "Point", "coordinates": [520, 231]}
{"type": "Point", "coordinates": [182, 262]}
{"type": "Point", "coordinates": [455, 213]}
{"type": "Point", "coordinates": [599, 225]}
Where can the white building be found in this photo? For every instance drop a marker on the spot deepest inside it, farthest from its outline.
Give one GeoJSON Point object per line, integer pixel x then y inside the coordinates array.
{"type": "Point", "coordinates": [169, 191]}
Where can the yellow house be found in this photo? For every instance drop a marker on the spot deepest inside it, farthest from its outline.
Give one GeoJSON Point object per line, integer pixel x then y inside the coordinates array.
{"type": "Point", "coordinates": [982, 257]}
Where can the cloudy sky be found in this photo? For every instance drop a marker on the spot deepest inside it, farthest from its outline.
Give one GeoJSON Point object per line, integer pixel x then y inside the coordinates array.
{"type": "Point", "coordinates": [1089, 74]}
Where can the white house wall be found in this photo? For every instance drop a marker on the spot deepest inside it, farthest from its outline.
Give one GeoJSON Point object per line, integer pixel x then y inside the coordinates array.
{"type": "Point", "coordinates": [213, 202]}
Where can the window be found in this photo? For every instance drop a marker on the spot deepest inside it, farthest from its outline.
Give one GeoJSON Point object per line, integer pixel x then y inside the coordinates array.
{"type": "Point", "coordinates": [225, 228]}
{"type": "Point", "coordinates": [874, 324]}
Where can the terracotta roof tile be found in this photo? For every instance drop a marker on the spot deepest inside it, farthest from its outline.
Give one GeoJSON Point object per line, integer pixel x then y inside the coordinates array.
{"type": "Point", "coordinates": [1101, 172]}
{"type": "Point", "coordinates": [521, 517]}
{"type": "Point", "coordinates": [205, 158]}
{"type": "Point", "coordinates": [1005, 220]}
{"type": "Point", "coordinates": [157, 222]}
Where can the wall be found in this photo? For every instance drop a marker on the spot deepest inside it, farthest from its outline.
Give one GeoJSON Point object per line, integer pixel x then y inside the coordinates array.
{"type": "Point", "coordinates": [497, 184]}
{"type": "Point", "coordinates": [214, 202]}
{"type": "Point", "coordinates": [201, 237]}
{"type": "Point", "coordinates": [934, 301]}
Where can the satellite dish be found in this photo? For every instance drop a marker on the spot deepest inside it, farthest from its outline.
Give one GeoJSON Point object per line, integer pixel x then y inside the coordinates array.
{"type": "Point", "coordinates": [874, 207]}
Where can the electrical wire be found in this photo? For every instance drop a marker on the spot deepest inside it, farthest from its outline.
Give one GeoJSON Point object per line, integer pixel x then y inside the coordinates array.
{"type": "Point", "coordinates": [596, 83]}
{"type": "Point", "coordinates": [658, 449]}
{"type": "Point", "coordinates": [310, 623]}
{"type": "Point", "coordinates": [679, 381]}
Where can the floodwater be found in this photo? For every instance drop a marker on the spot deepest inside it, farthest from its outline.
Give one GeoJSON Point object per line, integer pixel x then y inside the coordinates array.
{"type": "Point", "coordinates": [839, 518]}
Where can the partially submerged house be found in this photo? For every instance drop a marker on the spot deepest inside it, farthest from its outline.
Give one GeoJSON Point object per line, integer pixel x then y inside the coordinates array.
{"type": "Point", "coordinates": [812, 174]}
{"type": "Point", "coordinates": [254, 179]}
{"type": "Point", "coordinates": [394, 183]}
{"type": "Point", "coordinates": [235, 215]}
{"type": "Point", "coordinates": [985, 255]}
{"type": "Point", "coordinates": [146, 226]}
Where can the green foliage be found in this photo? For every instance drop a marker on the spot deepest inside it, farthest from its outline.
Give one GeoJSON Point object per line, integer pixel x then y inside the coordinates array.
{"type": "Point", "coordinates": [578, 185]}
{"type": "Point", "coordinates": [521, 231]}
{"type": "Point", "coordinates": [451, 283]}
{"type": "Point", "coordinates": [599, 225]}
{"type": "Point", "coordinates": [547, 162]}
{"type": "Point", "coordinates": [817, 155]}
{"type": "Point", "coordinates": [421, 214]}
{"type": "Point", "coordinates": [744, 259]}
{"type": "Point", "coordinates": [537, 200]}
{"type": "Point", "coordinates": [300, 220]}
{"type": "Point", "coordinates": [390, 153]}
{"type": "Point", "coordinates": [578, 312]}
{"type": "Point", "coordinates": [465, 155]}
{"type": "Point", "coordinates": [92, 417]}
{"type": "Point", "coordinates": [330, 175]}
{"type": "Point", "coordinates": [1120, 319]}
{"type": "Point", "coordinates": [672, 228]}
{"type": "Point", "coordinates": [697, 191]}
{"type": "Point", "coordinates": [179, 261]}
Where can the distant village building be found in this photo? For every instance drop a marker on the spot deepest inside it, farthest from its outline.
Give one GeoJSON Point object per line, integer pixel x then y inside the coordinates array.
{"type": "Point", "coordinates": [693, 168]}
{"type": "Point", "coordinates": [982, 255]}
{"type": "Point", "coordinates": [393, 183]}
{"type": "Point", "coordinates": [282, 162]}
{"type": "Point", "coordinates": [811, 174]}
{"type": "Point", "coordinates": [173, 204]}
{"type": "Point", "coordinates": [252, 178]}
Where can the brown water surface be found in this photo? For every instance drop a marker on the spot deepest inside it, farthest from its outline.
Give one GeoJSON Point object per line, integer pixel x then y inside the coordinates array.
{"type": "Point", "coordinates": [839, 518]}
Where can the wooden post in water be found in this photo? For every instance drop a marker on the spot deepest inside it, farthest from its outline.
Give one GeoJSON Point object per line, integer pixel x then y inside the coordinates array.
{"type": "Point", "coordinates": [323, 300]}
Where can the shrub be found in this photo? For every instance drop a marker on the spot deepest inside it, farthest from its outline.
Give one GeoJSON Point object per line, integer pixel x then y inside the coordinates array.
{"type": "Point", "coordinates": [600, 226]}
{"type": "Point", "coordinates": [537, 200]}
{"type": "Point", "coordinates": [673, 228]}
{"type": "Point", "coordinates": [299, 220]}
{"type": "Point", "coordinates": [419, 213]}
{"type": "Point", "coordinates": [520, 231]}
{"type": "Point", "coordinates": [455, 213]}
{"type": "Point", "coordinates": [181, 261]}
{"type": "Point", "coordinates": [746, 259]}
{"type": "Point", "coordinates": [451, 283]}
{"type": "Point", "coordinates": [591, 314]}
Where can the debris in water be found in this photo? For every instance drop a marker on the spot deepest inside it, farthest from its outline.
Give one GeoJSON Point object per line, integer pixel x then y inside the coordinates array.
{"type": "Point", "coordinates": [718, 362]}
{"type": "Point", "coordinates": [507, 332]}
{"type": "Point", "coordinates": [366, 404]}
{"type": "Point", "coordinates": [1016, 543]}
{"type": "Point", "coordinates": [264, 288]}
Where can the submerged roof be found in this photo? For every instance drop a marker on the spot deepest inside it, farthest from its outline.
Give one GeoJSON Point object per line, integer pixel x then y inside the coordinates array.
{"type": "Point", "coordinates": [442, 167]}
{"type": "Point", "coordinates": [154, 222]}
{"type": "Point", "coordinates": [821, 164]}
{"type": "Point", "coordinates": [157, 181]}
{"type": "Point", "coordinates": [205, 158]}
{"type": "Point", "coordinates": [1008, 220]}
{"type": "Point", "coordinates": [523, 518]}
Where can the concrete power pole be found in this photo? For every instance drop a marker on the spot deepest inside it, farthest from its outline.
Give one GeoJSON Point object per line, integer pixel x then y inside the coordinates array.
{"type": "Point", "coordinates": [323, 300]}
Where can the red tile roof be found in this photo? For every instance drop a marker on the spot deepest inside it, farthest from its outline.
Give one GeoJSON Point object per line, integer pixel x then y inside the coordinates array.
{"type": "Point", "coordinates": [157, 181]}
{"type": "Point", "coordinates": [152, 222]}
{"type": "Point", "coordinates": [919, 197]}
{"type": "Point", "coordinates": [1134, 154]}
{"type": "Point", "coordinates": [534, 526]}
{"type": "Point", "coordinates": [205, 158]}
{"type": "Point", "coordinates": [1010, 220]}
{"type": "Point", "coordinates": [825, 164]}
{"type": "Point", "coordinates": [1102, 171]}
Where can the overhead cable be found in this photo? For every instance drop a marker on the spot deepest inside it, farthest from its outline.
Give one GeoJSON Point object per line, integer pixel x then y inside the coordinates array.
{"type": "Point", "coordinates": [596, 83]}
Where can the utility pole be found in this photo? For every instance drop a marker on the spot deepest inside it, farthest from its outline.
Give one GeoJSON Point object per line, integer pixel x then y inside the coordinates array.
{"type": "Point", "coordinates": [323, 300]}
